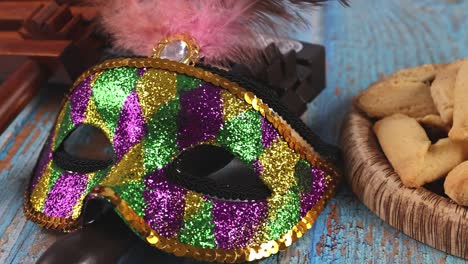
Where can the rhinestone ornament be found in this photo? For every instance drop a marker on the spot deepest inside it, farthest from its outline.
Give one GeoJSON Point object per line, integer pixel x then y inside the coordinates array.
{"type": "Point", "coordinates": [176, 50]}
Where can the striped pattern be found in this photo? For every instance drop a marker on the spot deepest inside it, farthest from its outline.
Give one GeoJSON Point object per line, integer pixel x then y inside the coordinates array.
{"type": "Point", "coordinates": [150, 116]}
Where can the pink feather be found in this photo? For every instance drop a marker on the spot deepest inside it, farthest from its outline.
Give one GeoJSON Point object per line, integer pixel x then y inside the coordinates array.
{"type": "Point", "coordinates": [226, 30]}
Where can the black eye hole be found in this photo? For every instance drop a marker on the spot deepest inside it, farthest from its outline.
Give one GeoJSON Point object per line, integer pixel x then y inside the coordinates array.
{"type": "Point", "coordinates": [215, 172]}
{"type": "Point", "coordinates": [86, 149]}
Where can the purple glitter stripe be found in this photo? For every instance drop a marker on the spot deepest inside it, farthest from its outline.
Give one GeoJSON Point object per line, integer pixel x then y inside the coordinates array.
{"type": "Point", "coordinates": [79, 100]}
{"type": "Point", "coordinates": [45, 157]}
{"type": "Point", "coordinates": [165, 204]}
{"type": "Point", "coordinates": [141, 71]}
{"type": "Point", "coordinates": [201, 115]}
{"type": "Point", "coordinates": [258, 167]}
{"type": "Point", "coordinates": [64, 194]}
{"type": "Point", "coordinates": [131, 126]}
{"type": "Point", "coordinates": [318, 188]}
{"type": "Point", "coordinates": [236, 223]}
{"type": "Point", "coordinates": [269, 133]}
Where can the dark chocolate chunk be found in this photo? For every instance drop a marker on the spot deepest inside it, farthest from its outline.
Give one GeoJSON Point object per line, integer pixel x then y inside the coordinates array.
{"type": "Point", "coordinates": [296, 77]}
{"type": "Point", "coordinates": [294, 103]}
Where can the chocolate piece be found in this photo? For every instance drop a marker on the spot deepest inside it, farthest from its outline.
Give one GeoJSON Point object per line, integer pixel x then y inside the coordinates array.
{"type": "Point", "coordinates": [313, 57]}
{"type": "Point", "coordinates": [304, 91]}
{"type": "Point", "coordinates": [294, 103]}
{"type": "Point", "coordinates": [14, 13]}
{"type": "Point", "coordinates": [271, 53]}
{"type": "Point", "coordinates": [61, 31]}
{"type": "Point", "coordinates": [290, 64]}
{"type": "Point", "coordinates": [54, 40]}
{"type": "Point", "coordinates": [274, 76]}
{"type": "Point", "coordinates": [297, 78]}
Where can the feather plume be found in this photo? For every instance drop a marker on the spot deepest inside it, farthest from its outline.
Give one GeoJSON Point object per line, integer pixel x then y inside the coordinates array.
{"type": "Point", "coordinates": [226, 30]}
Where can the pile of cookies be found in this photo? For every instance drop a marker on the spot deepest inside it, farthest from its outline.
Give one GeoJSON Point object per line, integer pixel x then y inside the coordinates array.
{"type": "Point", "coordinates": [409, 106]}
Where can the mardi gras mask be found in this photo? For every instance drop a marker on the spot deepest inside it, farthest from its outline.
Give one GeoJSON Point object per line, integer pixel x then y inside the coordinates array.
{"type": "Point", "coordinates": [201, 163]}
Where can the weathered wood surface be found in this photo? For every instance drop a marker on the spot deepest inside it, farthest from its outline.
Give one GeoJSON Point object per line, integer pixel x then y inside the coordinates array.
{"type": "Point", "coordinates": [19, 88]}
{"type": "Point", "coordinates": [21, 241]}
{"type": "Point", "coordinates": [371, 38]}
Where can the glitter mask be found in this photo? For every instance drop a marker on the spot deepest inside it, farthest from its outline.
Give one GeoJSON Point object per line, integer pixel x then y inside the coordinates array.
{"type": "Point", "coordinates": [154, 112]}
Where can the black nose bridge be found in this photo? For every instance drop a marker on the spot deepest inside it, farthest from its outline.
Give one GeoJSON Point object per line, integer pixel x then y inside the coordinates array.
{"type": "Point", "coordinates": [216, 172]}
{"type": "Point", "coordinates": [94, 208]}
{"type": "Point", "coordinates": [86, 149]}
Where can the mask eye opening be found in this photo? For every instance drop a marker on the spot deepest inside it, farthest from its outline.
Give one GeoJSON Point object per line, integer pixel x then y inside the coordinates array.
{"type": "Point", "coordinates": [214, 171]}
{"type": "Point", "coordinates": [86, 149]}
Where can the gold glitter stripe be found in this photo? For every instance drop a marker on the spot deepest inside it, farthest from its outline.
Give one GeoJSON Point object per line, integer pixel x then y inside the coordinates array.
{"type": "Point", "coordinates": [279, 162]}
{"type": "Point", "coordinates": [39, 193]}
{"type": "Point", "coordinates": [171, 245]}
{"type": "Point", "coordinates": [193, 202]}
{"type": "Point", "coordinates": [161, 85]}
{"type": "Point", "coordinates": [232, 106]}
{"type": "Point", "coordinates": [94, 118]}
{"type": "Point", "coordinates": [130, 168]}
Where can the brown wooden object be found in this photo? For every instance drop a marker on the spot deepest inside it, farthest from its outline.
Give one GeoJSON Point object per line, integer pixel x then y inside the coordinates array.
{"type": "Point", "coordinates": [420, 213]}
{"type": "Point", "coordinates": [19, 88]}
{"type": "Point", "coordinates": [13, 13]}
{"type": "Point", "coordinates": [54, 40]}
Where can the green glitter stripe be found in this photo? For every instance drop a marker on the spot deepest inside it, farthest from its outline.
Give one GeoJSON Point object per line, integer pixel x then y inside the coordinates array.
{"type": "Point", "coordinates": [161, 142]}
{"type": "Point", "coordinates": [96, 179]}
{"type": "Point", "coordinates": [132, 193]}
{"type": "Point", "coordinates": [65, 127]}
{"type": "Point", "coordinates": [199, 228]}
{"type": "Point", "coordinates": [187, 83]}
{"type": "Point", "coordinates": [284, 212]}
{"type": "Point", "coordinates": [302, 173]}
{"type": "Point", "coordinates": [110, 90]}
{"type": "Point", "coordinates": [242, 135]}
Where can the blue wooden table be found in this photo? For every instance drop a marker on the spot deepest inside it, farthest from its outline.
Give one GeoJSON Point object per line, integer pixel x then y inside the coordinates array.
{"type": "Point", "coordinates": [370, 39]}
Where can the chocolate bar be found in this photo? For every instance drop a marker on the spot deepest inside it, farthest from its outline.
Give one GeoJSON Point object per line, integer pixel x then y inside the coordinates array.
{"type": "Point", "coordinates": [297, 76]}
{"type": "Point", "coordinates": [42, 41]}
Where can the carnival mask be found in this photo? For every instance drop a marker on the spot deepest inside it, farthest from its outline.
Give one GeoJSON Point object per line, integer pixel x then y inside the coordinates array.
{"type": "Point", "coordinates": [199, 163]}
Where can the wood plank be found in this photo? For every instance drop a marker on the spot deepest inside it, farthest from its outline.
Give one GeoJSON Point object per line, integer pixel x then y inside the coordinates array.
{"type": "Point", "coordinates": [87, 12]}
{"type": "Point", "coordinates": [21, 142]}
{"type": "Point", "coordinates": [33, 48]}
{"type": "Point", "coordinates": [18, 89]}
{"type": "Point", "coordinates": [373, 38]}
{"type": "Point", "coordinates": [18, 11]}
{"type": "Point", "coordinates": [9, 35]}
{"type": "Point", "coordinates": [15, 11]}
